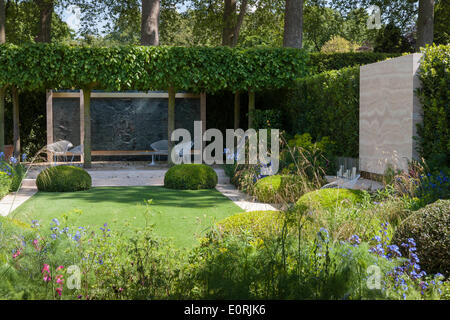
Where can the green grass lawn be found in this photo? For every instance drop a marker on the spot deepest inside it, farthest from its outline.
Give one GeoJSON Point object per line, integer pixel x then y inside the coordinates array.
{"type": "Point", "coordinates": [181, 215]}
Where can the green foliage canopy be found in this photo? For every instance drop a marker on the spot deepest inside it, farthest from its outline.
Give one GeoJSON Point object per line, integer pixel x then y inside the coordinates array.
{"type": "Point", "coordinates": [195, 69]}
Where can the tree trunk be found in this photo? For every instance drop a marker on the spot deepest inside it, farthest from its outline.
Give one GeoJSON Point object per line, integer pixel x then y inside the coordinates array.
{"type": "Point", "coordinates": [16, 122]}
{"type": "Point", "coordinates": [237, 110]}
{"type": "Point", "coordinates": [2, 22]}
{"type": "Point", "coordinates": [293, 24]}
{"type": "Point", "coordinates": [2, 119]}
{"type": "Point", "coordinates": [171, 121]}
{"type": "Point", "coordinates": [45, 20]}
{"type": "Point", "coordinates": [251, 108]}
{"type": "Point", "coordinates": [425, 24]}
{"type": "Point", "coordinates": [229, 13]}
{"type": "Point", "coordinates": [87, 128]}
{"type": "Point", "coordinates": [150, 23]}
{"type": "Point", "coordinates": [232, 23]}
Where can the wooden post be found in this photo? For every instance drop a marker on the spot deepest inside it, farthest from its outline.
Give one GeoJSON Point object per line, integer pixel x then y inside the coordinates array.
{"type": "Point", "coordinates": [171, 120]}
{"type": "Point", "coordinates": [49, 99]}
{"type": "Point", "coordinates": [251, 108]}
{"type": "Point", "coordinates": [237, 110]}
{"type": "Point", "coordinates": [87, 127]}
{"type": "Point", "coordinates": [2, 118]}
{"type": "Point", "coordinates": [82, 124]}
{"type": "Point", "coordinates": [16, 122]}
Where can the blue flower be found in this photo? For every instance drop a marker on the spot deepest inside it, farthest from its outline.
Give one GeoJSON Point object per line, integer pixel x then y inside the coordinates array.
{"type": "Point", "coordinates": [55, 221]}
{"type": "Point", "coordinates": [24, 157]}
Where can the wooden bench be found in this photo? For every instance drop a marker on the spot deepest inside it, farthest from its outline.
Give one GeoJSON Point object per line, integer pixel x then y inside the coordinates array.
{"type": "Point", "coordinates": [106, 153]}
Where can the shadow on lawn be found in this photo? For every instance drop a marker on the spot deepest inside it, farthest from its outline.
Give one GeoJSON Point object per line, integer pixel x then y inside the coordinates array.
{"type": "Point", "coordinates": [133, 195]}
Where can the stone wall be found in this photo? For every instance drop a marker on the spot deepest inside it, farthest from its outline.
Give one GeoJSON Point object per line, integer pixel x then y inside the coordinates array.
{"type": "Point", "coordinates": [122, 123]}
{"type": "Point", "coordinates": [389, 112]}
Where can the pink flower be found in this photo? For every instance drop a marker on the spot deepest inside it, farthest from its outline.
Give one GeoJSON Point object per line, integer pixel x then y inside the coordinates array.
{"type": "Point", "coordinates": [46, 268]}
{"type": "Point", "coordinates": [59, 279]}
{"type": "Point", "coordinates": [59, 268]}
{"type": "Point", "coordinates": [17, 253]}
{"type": "Point", "coordinates": [36, 244]}
{"type": "Point", "coordinates": [59, 291]}
{"type": "Point", "coordinates": [47, 278]}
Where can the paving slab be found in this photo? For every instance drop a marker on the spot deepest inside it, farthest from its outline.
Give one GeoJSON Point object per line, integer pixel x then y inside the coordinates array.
{"type": "Point", "coordinates": [12, 201]}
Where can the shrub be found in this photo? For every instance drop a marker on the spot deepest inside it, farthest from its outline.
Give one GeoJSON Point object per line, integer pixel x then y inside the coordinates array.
{"type": "Point", "coordinates": [63, 179]}
{"type": "Point", "coordinates": [267, 119]}
{"type": "Point", "coordinates": [279, 188]}
{"type": "Point", "coordinates": [430, 228]}
{"type": "Point", "coordinates": [331, 198]}
{"type": "Point", "coordinates": [5, 184]}
{"type": "Point", "coordinates": [434, 132]}
{"type": "Point", "coordinates": [338, 44]}
{"type": "Point", "coordinates": [258, 223]}
{"type": "Point", "coordinates": [319, 154]}
{"type": "Point", "coordinates": [14, 169]}
{"type": "Point", "coordinates": [190, 177]}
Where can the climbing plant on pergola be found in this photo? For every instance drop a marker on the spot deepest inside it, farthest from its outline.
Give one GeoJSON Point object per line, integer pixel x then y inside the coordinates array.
{"type": "Point", "coordinates": [194, 69]}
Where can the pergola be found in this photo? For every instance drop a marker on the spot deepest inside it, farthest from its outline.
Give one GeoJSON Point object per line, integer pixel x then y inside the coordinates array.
{"type": "Point", "coordinates": [58, 95]}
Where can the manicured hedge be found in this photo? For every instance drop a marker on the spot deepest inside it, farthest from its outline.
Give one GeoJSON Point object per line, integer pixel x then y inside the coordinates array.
{"type": "Point", "coordinates": [430, 229]}
{"type": "Point", "coordinates": [258, 223]}
{"type": "Point", "coordinates": [279, 189]}
{"type": "Point", "coordinates": [63, 179]}
{"type": "Point", "coordinates": [327, 105]}
{"type": "Point", "coordinates": [331, 198]}
{"type": "Point", "coordinates": [194, 69]}
{"type": "Point", "coordinates": [434, 133]}
{"type": "Point", "coordinates": [190, 177]}
{"type": "Point", "coordinates": [322, 62]}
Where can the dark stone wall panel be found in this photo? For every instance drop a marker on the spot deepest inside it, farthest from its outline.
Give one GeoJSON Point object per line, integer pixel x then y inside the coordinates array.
{"type": "Point", "coordinates": [66, 120]}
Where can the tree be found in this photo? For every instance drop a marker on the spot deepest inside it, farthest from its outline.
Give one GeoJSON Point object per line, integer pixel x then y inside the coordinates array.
{"type": "Point", "coordinates": [232, 22]}
{"type": "Point", "coordinates": [425, 24]}
{"type": "Point", "coordinates": [46, 8]}
{"type": "Point", "coordinates": [150, 22]}
{"type": "Point", "coordinates": [293, 24]}
{"type": "Point", "coordinates": [2, 21]}
{"type": "Point", "coordinates": [441, 25]}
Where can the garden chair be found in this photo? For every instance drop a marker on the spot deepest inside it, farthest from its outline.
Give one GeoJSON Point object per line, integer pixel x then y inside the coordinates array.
{"type": "Point", "coordinates": [178, 149]}
{"type": "Point", "coordinates": [160, 147]}
{"type": "Point", "coordinates": [60, 148]}
{"type": "Point", "coordinates": [77, 151]}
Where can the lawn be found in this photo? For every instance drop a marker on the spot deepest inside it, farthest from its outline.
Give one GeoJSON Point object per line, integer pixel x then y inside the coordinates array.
{"type": "Point", "coordinates": [181, 215]}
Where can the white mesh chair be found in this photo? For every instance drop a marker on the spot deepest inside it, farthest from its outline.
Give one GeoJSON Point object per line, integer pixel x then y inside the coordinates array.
{"type": "Point", "coordinates": [77, 151]}
{"type": "Point", "coordinates": [60, 148]}
{"type": "Point", "coordinates": [179, 148]}
{"type": "Point", "coordinates": [160, 147]}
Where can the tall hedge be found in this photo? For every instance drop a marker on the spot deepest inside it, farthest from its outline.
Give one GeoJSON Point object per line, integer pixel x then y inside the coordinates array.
{"type": "Point", "coordinates": [434, 95]}
{"type": "Point", "coordinates": [194, 69]}
{"type": "Point", "coordinates": [322, 62]}
{"type": "Point", "coordinates": [327, 105]}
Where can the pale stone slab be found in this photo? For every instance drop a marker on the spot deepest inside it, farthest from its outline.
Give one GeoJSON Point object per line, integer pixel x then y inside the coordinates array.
{"type": "Point", "coordinates": [389, 112]}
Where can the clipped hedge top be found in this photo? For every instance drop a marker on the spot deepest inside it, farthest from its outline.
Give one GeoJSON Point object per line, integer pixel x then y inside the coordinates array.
{"type": "Point", "coordinates": [190, 177]}
{"type": "Point", "coordinates": [331, 198]}
{"type": "Point", "coordinates": [63, 179]}
{"type": "Point", "coordinates": [195, 69]}
{"type": "Point", "coordinates": [259, 223]}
